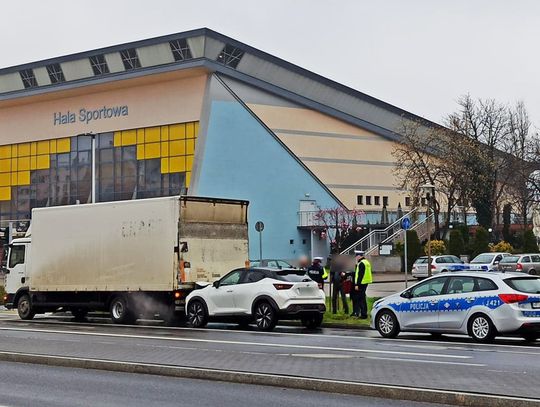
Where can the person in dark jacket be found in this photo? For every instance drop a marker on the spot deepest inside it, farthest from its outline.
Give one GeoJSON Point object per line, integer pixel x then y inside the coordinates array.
{"type": "Point", "coordinates": [361, 278]}
{"type": "Point", "coordinates": [338, 275]}
{"type": "Point", "coordinates": [315, 271]}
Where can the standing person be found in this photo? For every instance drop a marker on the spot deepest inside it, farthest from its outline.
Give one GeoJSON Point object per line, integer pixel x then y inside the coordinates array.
{"type": "Point", "coordinates": [362, 277]}
{"type": "Point", "coordinates": [338, 278]}
{"type": "Point", "coordinates": [315, 271]}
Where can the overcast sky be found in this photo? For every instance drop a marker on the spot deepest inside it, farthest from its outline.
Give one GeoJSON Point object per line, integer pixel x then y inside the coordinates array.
{"type": "Point", "coordinates": [420, 55]}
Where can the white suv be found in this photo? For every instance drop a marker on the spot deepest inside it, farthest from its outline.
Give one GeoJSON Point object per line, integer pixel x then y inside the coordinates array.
{"type": "Point", "coordinates": [438, 264]}
{"type": "Point", "coordinates": [260, 295]}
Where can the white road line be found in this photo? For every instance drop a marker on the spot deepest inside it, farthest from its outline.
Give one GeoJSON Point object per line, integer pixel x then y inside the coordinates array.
{"type": "Point", "coordinates": [270, 345]}
{"type": "Point", "coordinates": [438, 362]}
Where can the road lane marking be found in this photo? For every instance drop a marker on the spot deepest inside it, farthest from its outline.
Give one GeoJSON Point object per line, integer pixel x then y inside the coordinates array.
{"type": "Point", "coordinates": [271, 345]}
{"type": "Point", "coordinates": [438, 362]}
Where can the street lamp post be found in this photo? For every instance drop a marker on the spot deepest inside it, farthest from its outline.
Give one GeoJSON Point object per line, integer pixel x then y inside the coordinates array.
{"type": "Point", "coordinates": [429, 191]}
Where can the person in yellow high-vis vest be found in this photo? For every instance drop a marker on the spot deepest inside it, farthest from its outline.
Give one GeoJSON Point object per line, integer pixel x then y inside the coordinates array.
{"type": "Point", "coordinates": [361, 278]}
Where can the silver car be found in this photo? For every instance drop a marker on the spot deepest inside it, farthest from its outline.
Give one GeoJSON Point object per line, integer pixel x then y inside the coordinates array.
{"type": "Point", "coordinates": [481, 305]}
{"type": "Point", "coordinates": [527, 263]}
{"type": "Point", "coordinates": [439, 264]}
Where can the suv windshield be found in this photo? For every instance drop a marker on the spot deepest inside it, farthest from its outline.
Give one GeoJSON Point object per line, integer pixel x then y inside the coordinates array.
{"type": "Point", "coordinates": [483, 258]}
{"type": "Point", "coordinates": [293, 276]}
{"type": "Point", "coordinates": [529, 285]}
{"type": "Point", "coordinates": [510, 259]}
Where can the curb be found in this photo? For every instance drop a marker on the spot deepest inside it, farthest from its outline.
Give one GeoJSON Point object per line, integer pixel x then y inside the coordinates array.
{"type": "Point", "coordinates": [330, 325]}
{"type": "Point", "coordinates": [294, 382]}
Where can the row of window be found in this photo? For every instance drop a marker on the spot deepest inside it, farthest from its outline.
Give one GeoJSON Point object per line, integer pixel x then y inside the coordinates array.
{"type": "Point", "coordinates": [229, 56]}
{"type": "Point", "coordinates": [376, 200]}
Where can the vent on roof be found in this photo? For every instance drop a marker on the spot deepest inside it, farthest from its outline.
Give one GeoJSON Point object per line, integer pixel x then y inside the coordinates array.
{"type": "Point", "coordinates": [230, 56]}
{"type": "Point", "coordinates": [130, 59]}
{"type": "Point", "coordinates": [55, 73]}
{"type": "Point", "coordinates": [180, 50]}
{"type": "Point", "coordinates": [99, 65]}
{"type": "Point", "coordinates": [28, 78]}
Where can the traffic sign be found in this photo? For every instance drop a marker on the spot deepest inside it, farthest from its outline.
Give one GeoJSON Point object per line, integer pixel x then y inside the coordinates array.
{"type": "Point", "coordinates": [259, 226]}
{"type": "Point", "coordinates": [405, 223]}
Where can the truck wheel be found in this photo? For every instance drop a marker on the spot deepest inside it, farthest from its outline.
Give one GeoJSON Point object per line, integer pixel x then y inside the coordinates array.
{"type": "Point", "coordinates": [196, 314]}
{"type": "Point", "coordinates": [313, 322]}
{"type": "Point", "coordinates": [79, 314]}
{"type": "Point", "coordinates": [265, 316]}
{"type": "Point", "coordinates": [24, 307]}
{"type": "Point", "coordinates": [120, 312]}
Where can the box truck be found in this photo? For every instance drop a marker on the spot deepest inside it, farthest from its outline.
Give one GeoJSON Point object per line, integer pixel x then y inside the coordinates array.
{"type": "Point", "coordinates": [134, 259]}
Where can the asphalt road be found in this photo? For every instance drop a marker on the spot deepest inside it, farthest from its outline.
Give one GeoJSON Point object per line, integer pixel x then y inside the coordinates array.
{"type": "Point", "coordinates": [34, 385]}
{"type": "Point", "coordinates": [509, 367]}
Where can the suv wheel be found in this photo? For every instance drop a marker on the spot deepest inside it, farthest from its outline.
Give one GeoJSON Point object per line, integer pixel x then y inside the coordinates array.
{"type": "Point", "coordinates": [481, 328]}
{"type": "Point", "coordinates": [387, 324]}
{"type": "Point", "coordinates": [265, 316]}
{"type": "Point", "coordinates": [197, 315]}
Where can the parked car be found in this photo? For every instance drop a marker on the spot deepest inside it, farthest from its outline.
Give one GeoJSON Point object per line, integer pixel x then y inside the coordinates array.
{"type": "Point", "coordinates": [438, 264]}
{"type": "Point", "coordinates": [482, 305]}
{"type": "Point", "coordinates": [276, 263]}
{"type": "Point", "coordinates": [527, 263]}
{"type": "Point", "coordinates": [487, 261]}
{"type": "Point", "coordinates": [259, 295]}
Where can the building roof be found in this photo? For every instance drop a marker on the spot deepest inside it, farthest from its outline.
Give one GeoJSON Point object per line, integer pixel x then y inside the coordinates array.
{"type": "Point", "coordinates": [216, 53]}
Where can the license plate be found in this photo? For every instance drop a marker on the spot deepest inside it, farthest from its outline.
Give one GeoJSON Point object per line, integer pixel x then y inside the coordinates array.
{"type": "Point", "coordinates": [536, 304]}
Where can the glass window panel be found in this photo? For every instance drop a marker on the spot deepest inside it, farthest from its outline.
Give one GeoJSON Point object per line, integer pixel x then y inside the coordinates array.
{"type": "Point", "coordinates": [85, 157]}
{"type": "Point", "coordinates": [129, 169]}
{"type": "Point", "coordinates": [74, 143]}
{"type": "Point", "coordinates": [84, 173]}
{"type": "Point", "coordinates": [63, 160]}
{"type": "Point", "coordinates": [105, 140]}
{"type": "Point", "coordinates": [153, 175]}
{"type": "Point", "coordinates": [129, 184]}
{"type": "Point", "coordinates": [84, 143]}
{"type": "Point", "coordinates": [106, 171]}
{"type": "Point", "coordinates": [129, 153]}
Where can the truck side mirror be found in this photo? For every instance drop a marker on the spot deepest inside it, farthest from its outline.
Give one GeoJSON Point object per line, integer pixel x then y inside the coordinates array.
{"type": "Point", "coordinates": [216, 284]}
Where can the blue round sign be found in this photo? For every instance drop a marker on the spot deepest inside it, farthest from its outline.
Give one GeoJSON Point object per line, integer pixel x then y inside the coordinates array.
{"type": "Point", "coordinates": [405, 223]}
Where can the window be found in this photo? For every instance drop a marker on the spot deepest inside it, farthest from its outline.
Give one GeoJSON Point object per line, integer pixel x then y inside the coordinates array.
{"type": "Point", "coordinates": [283, 264]}
{"type": "Point", "coordinates": [459, 285]}
{"type": "Point", "coordinates": [232, 278]}
{"type": "Point", "coordinates": [16, 255]}
{"type": "Point", "coordinates": [180, 50]}
{"type": "Point", "coordinates": [99, 65]}
{"type": "Point", "coordinates": [377, 200]}
{"type": "Point", "coordinates": [530, 285]}
{"type": "Point", "coordinates": [28, 78]}
{"type": "Point", "coordinates": [254, 276]}
{"type": "Point", "coordinates": [359, 199]}
{"type": "Point", "coordinates": [304, 241]}
{"type": "Point", "coordinates": [291, 241]}
{"type": "Point", "coordinates": [385, 201]}
{"type": "Point", "coordinates": [130, 58]}
{"type": "Point", "coordinates": [272, 263]}
{"type": "Point", "coordinates": [483, 284]}
{"type": "Point", "coordinates": [368, 200]}
{"type": "Point", "coordinates": [230, 56]}
{"type": "Point", "coordinates": [526, 259]}
{"type": "Point", "coordinates": [535, 259]}
{"type": "Point", "coordinates": [55, 73]}
{"type": "Point", "coordinates": [407, 201]}
{"type": "Point", "coordinates": [431, 287]}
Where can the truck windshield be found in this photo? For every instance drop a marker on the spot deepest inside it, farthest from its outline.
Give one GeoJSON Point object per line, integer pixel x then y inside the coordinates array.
{"type": "Point", "coordinates": [16, 255]}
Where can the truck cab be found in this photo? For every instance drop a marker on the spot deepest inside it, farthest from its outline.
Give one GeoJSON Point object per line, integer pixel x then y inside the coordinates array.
{"type": "Point", "coordinates": [16, 279]}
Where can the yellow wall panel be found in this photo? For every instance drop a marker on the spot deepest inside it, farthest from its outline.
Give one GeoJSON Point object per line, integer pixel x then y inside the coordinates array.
{"type": "Point", "coordinates": [43, 147]}
{"type": "Point", "coordinates": [14, 164]}
{"type": "Point", "coordinates": [24, 149]}
{"type": "Point", "coordinates": [177, 147]}
{"type": "Point", "coordinates": [52, 144]}
{"type": "Point", "coordinates": [196, 129]}
{"type": "Point", "coordinates": [24, 163]}
{"type": "Point", "coordinates": [140, 136]}
{"type": "Point", "coordinates": [5, 165]}
{"type": "Point", "coordinates": [164, 165]}
{"type": "Point", "coordinates": [33, 148]}
{"type": "Point", "coordinates": [190, 130]}
{"type": "Point", "coordinates": [189, 162]}
{"type": "Point", "coordinates": [190, 146]}
{"type": "Point", "coordinates": [13, 178]}
{"type": "Point", "coordinates": [117, 139]}
{"type": "Point", "coordinates": [5, 193]}
{"type": "Point", "coordinates": [188, 178]}
{"type": "Point", "coordinates": [63, 145]}
{"type": "Point", "coordinates": [177, 164]}
{"type": "Point", "coordinates": [33, 162]}
{"type": "Point", "coordinates": [140, 151]}
{"type": "Point", "coordinates": [5, 151]}
{"type": "Point", "coordinates": [129, 137]}
{"type": "Point", "coordinates": [164, 133]}
{"type": "Point", "coordinates": [5, 179]}
{"type": "Point", "coordinates": [152, 134]}
{"type": "Point", "coordinates": [177, 132]}
{"type": "Point", "coordinates": [43, 162]}
{"type": "Point", "coordinates": [164, 149]}
{"type": "Point", "coordinates": [14, 150]}
{"type": "Point", "coordinates": [24, 178]}
{"type": "Point", "coordinates": [152, 150]}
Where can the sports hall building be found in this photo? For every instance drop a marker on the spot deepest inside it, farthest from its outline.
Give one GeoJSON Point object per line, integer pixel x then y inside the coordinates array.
{"type": "Point", "coordinates": [196, 113]}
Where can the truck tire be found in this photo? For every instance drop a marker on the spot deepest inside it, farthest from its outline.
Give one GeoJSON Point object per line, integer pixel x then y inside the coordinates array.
{"type": "Point", "coordinates": [196, 314]}
{"type": "Point", "coordinates": [265, 316]}
{"type": "Point", "coordinates": [120, 312]}
{"type": "Point", "coordinates": [24, 307]}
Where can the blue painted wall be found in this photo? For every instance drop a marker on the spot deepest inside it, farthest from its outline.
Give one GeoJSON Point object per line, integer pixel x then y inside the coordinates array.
{"type": "Point", "coordinates": [242, 160]}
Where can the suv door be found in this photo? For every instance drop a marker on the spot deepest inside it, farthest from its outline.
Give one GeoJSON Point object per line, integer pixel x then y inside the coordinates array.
{"type": "Point", "coordinates": [222, 297]}
{"type": "Point", "coordinates": [526, 263]}
{"type": "Point", "coordinates": [456, 302]}
{"type": "Point", "coordinates": [422, 309]}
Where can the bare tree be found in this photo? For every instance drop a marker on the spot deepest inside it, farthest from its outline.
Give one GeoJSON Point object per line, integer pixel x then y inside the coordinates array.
{"type": "Point", "coordinates": [339, 224]}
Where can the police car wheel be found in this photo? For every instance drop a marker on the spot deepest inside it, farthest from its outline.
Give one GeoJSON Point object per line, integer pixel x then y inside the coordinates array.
{"type": "Point", "coordinates": [387, 324]}
{"type": "Point", "coordinates": [481, 328]}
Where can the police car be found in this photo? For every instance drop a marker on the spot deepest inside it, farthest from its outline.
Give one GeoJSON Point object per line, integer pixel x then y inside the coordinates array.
{"type": "Point", "coordinates": [482, 305]}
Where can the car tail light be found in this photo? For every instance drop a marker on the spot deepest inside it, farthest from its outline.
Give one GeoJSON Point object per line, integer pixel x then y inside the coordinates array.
{"type": "Point", "coordinates": [283, 286]}
{"type": "Point", "coordinates": [433, 267]}
{"type": "Point", "coordinates": [511, 298]}
{"type": "Point", "coordinates": [519, 267]}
